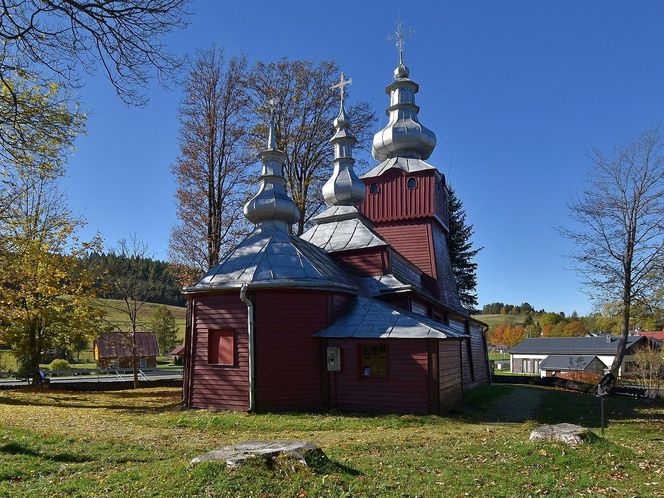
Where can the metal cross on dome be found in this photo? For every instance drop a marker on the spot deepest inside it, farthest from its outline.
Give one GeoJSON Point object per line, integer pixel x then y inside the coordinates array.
{"type": "Point", "coordinates": [400, 36]}
{"type": "Point", "coordinates": [272, 105]}
{"type": "Point", "coordinates": [343, 82]}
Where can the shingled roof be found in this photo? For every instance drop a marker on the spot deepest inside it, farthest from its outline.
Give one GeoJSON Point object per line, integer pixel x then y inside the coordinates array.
{"type": "Point", "coordinates": [274, 258]}
{"type": "Point", "coordinates": [602, 345]}
{"type": "Point", "coordinates": [368, 318]}
{"type": "Point", "coordinates": [115, 345]}
{"type": "Point", "coordinates": [567, 362]}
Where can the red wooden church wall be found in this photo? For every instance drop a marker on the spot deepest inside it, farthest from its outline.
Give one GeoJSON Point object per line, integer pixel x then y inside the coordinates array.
{"type": "Point", "coordinates": [404, 390]}
{"type": "Point", "coordinates": [219, 386]}
{"type": "Point", "coordinates": [413, 240]}
{"type": "Point", "coordinates": [288, 358]}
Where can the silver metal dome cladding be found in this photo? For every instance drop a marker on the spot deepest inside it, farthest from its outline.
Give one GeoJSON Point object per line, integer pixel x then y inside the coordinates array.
{"type": "Point", "coordinates": [404, 135]}
{"type": "Point", "coordinates": [343, 188]}
{"type": "Point", "coordinates": [272, 205]}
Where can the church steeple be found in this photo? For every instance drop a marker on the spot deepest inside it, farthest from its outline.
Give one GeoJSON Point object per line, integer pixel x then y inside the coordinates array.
{"type": "Point", "coordinates": [404, 135]}
{"type": "Point", "coordinates": [271, 205]}
{"type": "Point", "coordinates": [343, 188]}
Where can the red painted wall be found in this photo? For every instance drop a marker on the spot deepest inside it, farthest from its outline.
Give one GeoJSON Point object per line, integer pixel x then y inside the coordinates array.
{"type": "Point", "coordinates": [365, 262]}
{"type": "Point", "coordinates": [395, 201]}
{"type": "Point", "coordinates": [412, 239]}
{"type": "Point", "coordinates": [405, 390]}
{"type": "Point", "coordinates": [219, 386]}
{"type": "Point", "coordinates": [288, 357]}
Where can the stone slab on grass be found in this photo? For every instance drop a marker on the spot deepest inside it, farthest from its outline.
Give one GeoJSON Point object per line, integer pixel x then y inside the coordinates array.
{"type": "Point", "coordinates": [564, 433]}
{"type": "Point", "coordinates": [237, 454]}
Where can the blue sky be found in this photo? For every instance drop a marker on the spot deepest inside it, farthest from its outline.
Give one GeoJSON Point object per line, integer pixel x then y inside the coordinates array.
{"type": "Point", "coordinates": [518, 93]}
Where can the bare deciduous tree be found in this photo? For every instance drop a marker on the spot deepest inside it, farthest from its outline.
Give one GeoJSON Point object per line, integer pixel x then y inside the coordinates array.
{"type": "Point", "coordinates": [70, 37]}
{"type": "Point", "coordinates": [306, 107]}
{"type": "Point", "coordinates": [128, 281]}
{"type": "Point", "coordinates": [619, 226]}
{"type": "Point", "coordinates": [211, 171]}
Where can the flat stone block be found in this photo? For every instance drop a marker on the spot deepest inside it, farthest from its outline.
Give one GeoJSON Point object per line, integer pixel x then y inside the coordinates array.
{"type": "Point", "coordinates": [564, 433]}
{"type": "Point", "coordinates": [237, 454]}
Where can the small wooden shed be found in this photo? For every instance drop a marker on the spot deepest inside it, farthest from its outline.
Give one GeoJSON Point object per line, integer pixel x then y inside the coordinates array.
{"type": "Point", "coordinates": [114, 350]}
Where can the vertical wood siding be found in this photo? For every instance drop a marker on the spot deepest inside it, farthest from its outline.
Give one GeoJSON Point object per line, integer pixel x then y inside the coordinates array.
{"type": "Point", "coordinates": [215, 386]}
{"type": "Point", "coordinates": [449, 375]}
{"type": "Point", "coordinates": [480, 357]}
{"type": "Point", "coordinates": [413, 240]}
{"type": "Point", "coordinates": [395, 201]}
{"type": "Point", "coordinates": [370, 261]}
{"type": "Point", "coordinates": [288, 360]}
{"type": "Point", "coordinates": [447, 287]}
{"type": "Point", "coordinates": [405, 390]}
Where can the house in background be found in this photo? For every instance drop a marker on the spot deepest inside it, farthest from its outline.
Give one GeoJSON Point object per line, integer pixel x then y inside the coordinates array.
{"type": "Point", "coordinates": [653, 334]}
{"type": "Point", "coordinates": [113, 350]}
{"type": "Point", "coordinates": [177, 355]}
{"type": "Point", "coordinates": [362, 311]}
{"type": "Point", "coordinates": [561, 356]}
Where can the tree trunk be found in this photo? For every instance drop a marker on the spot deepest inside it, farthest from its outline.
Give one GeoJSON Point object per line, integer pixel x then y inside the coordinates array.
{"type": "Point", "coordinates": [134, 363]}
{"type": "Point", "coordinates": [624, 328]}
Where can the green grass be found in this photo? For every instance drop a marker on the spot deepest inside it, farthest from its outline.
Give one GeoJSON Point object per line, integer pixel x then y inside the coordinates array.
{"type": "Point", "coordinates": [145, 315]}
{"type": "Point", "coordinates": [493, 320]}
{"type": "Point", "coordinates": [499, 356]}
{"type": "Point", "coordinates": [139, 443]}
{"type": "Point", "coordinates": [8, 362]}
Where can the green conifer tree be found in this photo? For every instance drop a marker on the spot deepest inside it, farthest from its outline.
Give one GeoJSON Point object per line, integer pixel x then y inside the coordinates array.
{"type": "Point", "coordinates": [165, 328]}
{"type": "Point", "coordinates": [462, 253]}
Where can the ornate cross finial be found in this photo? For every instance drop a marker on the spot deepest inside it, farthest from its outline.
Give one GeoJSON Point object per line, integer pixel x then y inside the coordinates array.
{"type": "Point", "coordinates": [271, 138]}
{"type": "Point", "coordinates": [343, 82]}
{"type": "Point", "coordinates": [399, 36]}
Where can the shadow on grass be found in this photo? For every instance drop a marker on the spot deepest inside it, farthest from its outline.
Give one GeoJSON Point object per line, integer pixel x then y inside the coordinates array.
{"type": "Point", "coordinates": [512, 403]}
{"type": "Point", "coordinates": [70, 399]}
{"type": "Point", "coordinates": [19, 449]}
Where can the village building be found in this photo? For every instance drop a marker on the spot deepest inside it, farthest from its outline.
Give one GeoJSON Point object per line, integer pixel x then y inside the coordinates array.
{"type": "Point", "coordinates": [564, 356]}
{"type": "Point", "coordinates": [114, 350]}
{"type": "Point", "coordinates": [362, 311]}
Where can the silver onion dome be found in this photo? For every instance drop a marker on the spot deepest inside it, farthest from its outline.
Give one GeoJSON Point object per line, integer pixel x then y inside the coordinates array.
{"type": "Point", "coordinates": [272, 205]}
{"type": "Point", "coordinates": [343, 188]}
{"type": "Point", "coordinates": [404, 135]}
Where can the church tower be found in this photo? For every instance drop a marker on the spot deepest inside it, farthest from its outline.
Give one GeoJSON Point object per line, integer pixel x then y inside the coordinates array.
{"type": "Point", "coordinates": [405, 197]}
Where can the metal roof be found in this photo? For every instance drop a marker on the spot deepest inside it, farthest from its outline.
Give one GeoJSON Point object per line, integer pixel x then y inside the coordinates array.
{"type": "Point", "coordinates": [342, 228]}
{"type": "Point", "coordinates": [567, 362]}
{"type": "Point", "coordinates": [407, 164]}
{"type": "Point", "coordinates": [366, 318]}
{"type": "Point", "coordinates": [403, 135]}
{"type": "Point", "coordinates": [380, 284]}
{"type": "Point", "coordinates": [116, 345]}
{"type": "Point", "coordinates": [606, 345]}
{"type": "Point", "coordinates": [270, 257]}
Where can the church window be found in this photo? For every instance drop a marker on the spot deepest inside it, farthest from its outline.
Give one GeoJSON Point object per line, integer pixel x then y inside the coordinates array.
{"type": "Point", "coordinates": [412, 183]}
{"type": "Point", "coordinates": [373, 361]}
{"type": "Point", "coordinates": [373, 188]}
{"type": "Point", "coordinates": [221, 347]}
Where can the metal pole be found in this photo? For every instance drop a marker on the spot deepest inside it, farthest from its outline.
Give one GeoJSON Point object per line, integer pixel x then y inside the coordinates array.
{"type": "Point", "coordinates": [602, 414]}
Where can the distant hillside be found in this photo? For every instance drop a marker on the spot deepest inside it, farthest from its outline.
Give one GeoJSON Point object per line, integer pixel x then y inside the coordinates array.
{"type": "Point", "coordinates": [493, 320]}
{"type": "Point", "coordinates": [146, 313]}
{"type": "Point", "coordinates": [157, 278]}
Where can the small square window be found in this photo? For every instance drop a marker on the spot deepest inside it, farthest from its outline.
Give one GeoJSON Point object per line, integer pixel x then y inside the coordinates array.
{"type": "Point", "coordinates": [221, 347]}
{"type": "Point", "coordinates": [143, 363]}
{"type": "Point", "coordinates": [373, 361]}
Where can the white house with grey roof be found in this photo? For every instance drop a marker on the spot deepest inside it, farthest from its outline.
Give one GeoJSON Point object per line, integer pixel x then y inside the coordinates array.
{"type": "Point", "coordinates": [556, 356]}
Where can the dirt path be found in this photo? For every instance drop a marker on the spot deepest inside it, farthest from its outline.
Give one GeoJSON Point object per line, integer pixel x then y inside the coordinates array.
{"type": "Point", "coordinates": [519, 405]}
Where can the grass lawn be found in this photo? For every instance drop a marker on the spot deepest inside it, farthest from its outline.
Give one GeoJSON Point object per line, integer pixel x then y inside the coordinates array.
{"type": "Point", "coordinates": [493, 320]}
{"type": "Point", "coordinates": [139, 443]}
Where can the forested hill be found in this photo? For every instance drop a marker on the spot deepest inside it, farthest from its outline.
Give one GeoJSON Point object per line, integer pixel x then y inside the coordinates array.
{"type": "Point", "coordinates": [158, 277]}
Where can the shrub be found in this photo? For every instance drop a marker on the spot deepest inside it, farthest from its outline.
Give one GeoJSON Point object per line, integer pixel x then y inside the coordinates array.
{"type": "Point", "coordinates": [59, 364]}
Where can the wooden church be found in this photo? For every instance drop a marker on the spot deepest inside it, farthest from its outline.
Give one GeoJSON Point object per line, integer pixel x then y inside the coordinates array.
{"type": "Point", "coordinates": [360, 313]}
